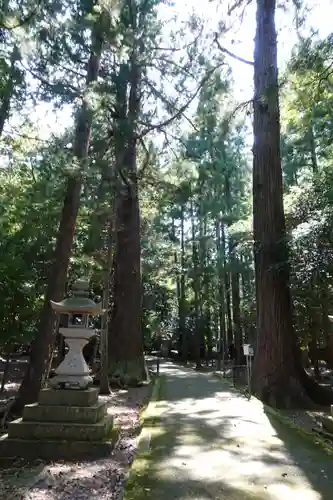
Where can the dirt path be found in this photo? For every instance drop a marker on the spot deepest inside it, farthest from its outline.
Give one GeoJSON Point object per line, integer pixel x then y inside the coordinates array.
{"type": "Point", "coordinates": [215, 444]}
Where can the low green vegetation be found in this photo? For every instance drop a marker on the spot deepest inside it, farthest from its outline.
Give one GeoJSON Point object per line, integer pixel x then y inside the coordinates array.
{"type": "Point", "coordinates": [154, 437]}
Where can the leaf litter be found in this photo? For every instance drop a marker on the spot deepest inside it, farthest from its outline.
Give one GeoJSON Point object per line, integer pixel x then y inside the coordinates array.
{"type": "Point", "coordinates": [84, 480]}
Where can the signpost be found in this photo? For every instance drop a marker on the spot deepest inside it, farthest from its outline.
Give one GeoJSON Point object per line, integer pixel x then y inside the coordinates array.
{"type": "Point", "coordinates": [248, 353]}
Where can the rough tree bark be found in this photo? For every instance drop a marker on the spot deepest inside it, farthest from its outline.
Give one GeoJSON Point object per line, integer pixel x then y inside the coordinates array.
{"type": "Point", "coordinates": [275, 375]}
{"type": "Point", "coordinates": [126, 357]}
{"type": "Point", "coordinates": [42, 346]}
{"type": "Point", "coordinates": [126, 350]}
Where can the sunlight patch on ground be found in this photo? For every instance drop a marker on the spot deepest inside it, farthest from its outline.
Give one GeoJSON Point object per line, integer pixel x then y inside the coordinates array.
{"type": "Point", "coordinates": [221, 436]}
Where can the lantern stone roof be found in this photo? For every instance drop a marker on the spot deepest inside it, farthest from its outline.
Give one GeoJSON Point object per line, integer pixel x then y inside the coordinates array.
{"type": "Point", "coordinates": [79, 302]}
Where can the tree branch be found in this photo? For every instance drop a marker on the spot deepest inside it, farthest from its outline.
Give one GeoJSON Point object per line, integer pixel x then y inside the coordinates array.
{"type": "Point", "coordinates": [180, 112]}
{"type": "Point", "coordinates": [226, 51]}
{"type": "Point", "coordinates": [67, 88]}
{"type": "Point", "coordinates": [236, 5]}
{"type": "Point", "coordinates": [147, 158]}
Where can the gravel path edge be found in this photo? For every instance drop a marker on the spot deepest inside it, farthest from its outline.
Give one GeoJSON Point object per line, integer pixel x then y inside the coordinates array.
{"type": "Point", "coordinates": [149, 420]}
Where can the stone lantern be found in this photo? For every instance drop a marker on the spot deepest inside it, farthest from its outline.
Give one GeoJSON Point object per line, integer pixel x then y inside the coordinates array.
{"type": "Point", "coordinates": [73, 372]}
{"type": "Point", "coordinates": [66, 423]}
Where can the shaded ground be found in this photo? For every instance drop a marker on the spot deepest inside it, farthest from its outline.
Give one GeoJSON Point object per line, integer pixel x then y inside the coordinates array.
{"type": "Point", "coordinates": [99, 479]}
{"type": "Point", "coordinates": [212, 443]}
{"type": "Point", "coordinates": [307, 419]}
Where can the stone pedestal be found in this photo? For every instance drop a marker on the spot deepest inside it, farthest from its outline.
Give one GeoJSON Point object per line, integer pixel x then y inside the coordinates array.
{"type": "Point", "coordinates": [73, 372]}
{"type": "Point", "coordinates": [63, 424]}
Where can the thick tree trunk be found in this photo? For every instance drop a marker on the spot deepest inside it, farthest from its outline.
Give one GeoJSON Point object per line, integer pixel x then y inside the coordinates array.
{"type": "Point", "coordinates": [126, 357]}
{"type": "Point", "coordinates": [42, 346]}
{"type": "Point", "coordinates": [275, 376]}
{"type": "Point", "coordinates": [127, 364]}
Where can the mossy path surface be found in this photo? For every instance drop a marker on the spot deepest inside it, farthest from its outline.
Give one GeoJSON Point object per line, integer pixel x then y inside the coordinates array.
{"type": "Point", "coordinates": [202, 440]}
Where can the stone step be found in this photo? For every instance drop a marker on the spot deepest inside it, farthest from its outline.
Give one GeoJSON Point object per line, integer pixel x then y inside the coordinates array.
{"type": "Point", "coordinates": [61, 431]}
{"type": "Point", "coordinates": [63, 397]}
{"type": "Point", "coordinates": [76, 414]}
{"type": "Point", "coordinates": [57, 450]}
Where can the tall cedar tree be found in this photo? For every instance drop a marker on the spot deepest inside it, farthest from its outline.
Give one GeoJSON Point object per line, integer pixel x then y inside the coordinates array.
{"type": "Point", "coordinates": [42, 346]}
{"type": "Point", "coordinates": [275, 377]}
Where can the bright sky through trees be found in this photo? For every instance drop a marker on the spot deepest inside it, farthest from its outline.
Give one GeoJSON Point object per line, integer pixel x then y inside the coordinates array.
{"type": "Point", "coordinates": [239, 40]}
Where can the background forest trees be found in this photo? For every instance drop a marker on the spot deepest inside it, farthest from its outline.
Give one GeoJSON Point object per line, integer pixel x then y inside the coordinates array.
{"type": "Point", "coordinates": [148, 190]}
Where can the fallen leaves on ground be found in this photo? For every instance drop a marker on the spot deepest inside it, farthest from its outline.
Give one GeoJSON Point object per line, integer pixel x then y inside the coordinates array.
{"type": "Point", "coordinates": [90, 480]}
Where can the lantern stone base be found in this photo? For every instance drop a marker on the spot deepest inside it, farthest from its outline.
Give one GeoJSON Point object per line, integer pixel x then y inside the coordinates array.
{"type": "Point", "coordinates": [56, 449]}
{"type": "Point", "coordinates": [69, 414]}
{"type": "Point", "coordinates": [64, 397]}
{"type": "Point", "coordinates": [71, 382]}
{"type": "Point", "coordinates": [63, 424]}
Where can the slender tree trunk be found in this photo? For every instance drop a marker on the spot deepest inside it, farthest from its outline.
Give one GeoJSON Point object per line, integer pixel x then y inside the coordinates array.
{"type": "Point", "coordinates": [196, 285]}
{"type": "Point", "coordinates": [227, 290]}
{"type": "Point", "coordinates": [178, 290]}
{"type": "Point", "coordinates": [275, 377]}
{"type": "Point", "coordinates": [104, 369]}
{"type": "Point", "coordinates": [42, 346]}
{"type": "Point", "coordinates": [326, 326]}
{"type": "Point", "coordinates": [180, 278]}
{"type": "Point", "coordinates": [221, 298]}
{"type": "Point", "coordinates": [313, 345]}
{"type": "Point", "coordinates": [9, 88]}
{"type": "Point", "coordinates": [312, 143]}
{"type": "Point", "coordinates": [206, 299]}
{"type": "Point", "coordinates": [235, 303]}
{"type": "Point", "coordinates": [182, 302]}
{"type": "Point", "coordinates": [200, 283]}
{"type": "Point", "coordinates": [325, 321]}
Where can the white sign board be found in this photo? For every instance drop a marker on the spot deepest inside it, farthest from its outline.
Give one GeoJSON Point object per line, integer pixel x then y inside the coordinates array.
{"type": "Point", "coordinates": [248, 350]}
